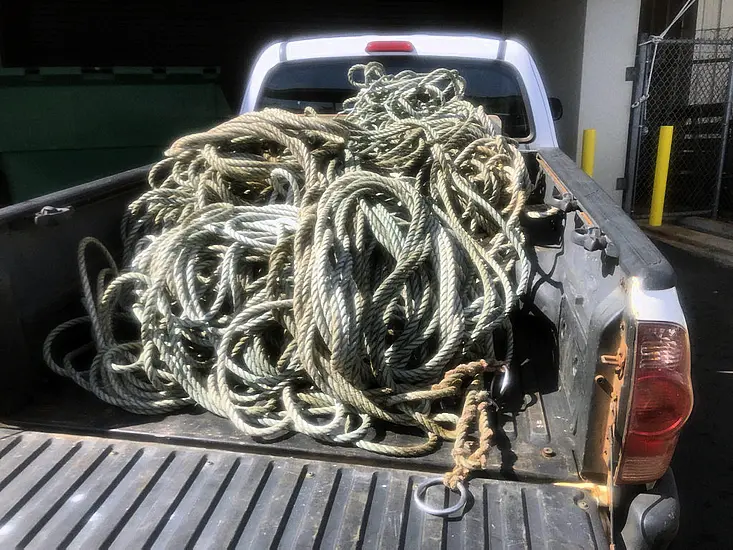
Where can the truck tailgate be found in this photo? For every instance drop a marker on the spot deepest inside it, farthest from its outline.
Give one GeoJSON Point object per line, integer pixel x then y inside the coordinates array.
{"type": "Point", "coordinates": [89, 492]}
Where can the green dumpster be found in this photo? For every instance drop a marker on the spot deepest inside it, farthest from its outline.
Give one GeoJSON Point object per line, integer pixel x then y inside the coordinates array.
{"type": "Point", "coordinates": [63, 126]}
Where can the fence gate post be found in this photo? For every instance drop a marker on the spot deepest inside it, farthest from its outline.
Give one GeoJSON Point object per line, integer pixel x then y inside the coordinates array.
{"type": "Point", "coordinates": [636, 126]}
{"type": "Point", "coordinates": [724, 140]}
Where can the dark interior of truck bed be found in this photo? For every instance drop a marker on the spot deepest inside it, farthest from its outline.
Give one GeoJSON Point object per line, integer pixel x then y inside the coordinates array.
{"type": "Point", "coordinates": [535, 418]}
{"type": "Point", "coordinates": [534, 431]}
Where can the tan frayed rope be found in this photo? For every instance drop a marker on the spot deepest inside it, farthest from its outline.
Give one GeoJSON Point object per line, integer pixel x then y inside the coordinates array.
{"type": "Point", "coordinates": [297, 273]}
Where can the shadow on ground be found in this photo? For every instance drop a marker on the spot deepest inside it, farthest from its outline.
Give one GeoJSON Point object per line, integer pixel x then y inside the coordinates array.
{"type": "Point", "coordinates": [703, 463]}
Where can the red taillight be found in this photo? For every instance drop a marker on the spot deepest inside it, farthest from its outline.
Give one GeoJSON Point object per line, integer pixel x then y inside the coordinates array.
{"type": "Point", "coordinates": [390, 46]}
{"type": "Point", "coordinates": [661, 402]}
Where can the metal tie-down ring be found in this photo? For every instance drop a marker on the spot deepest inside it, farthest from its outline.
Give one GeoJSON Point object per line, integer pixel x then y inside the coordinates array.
{"type": "Point", "coordinates": [420, 493]}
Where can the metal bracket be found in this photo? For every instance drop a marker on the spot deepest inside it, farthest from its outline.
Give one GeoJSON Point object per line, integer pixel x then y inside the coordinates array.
{"type": "Point", "coordinates": [566, 203]}
{"type": "Point", "coordinates": [592, 239]}
{"type": "Point", "coordinates": [630, 74]}
{"type": "Point", "coordinates": [49, 215]}
{"type": "Point", "coordinates": [618, 361]}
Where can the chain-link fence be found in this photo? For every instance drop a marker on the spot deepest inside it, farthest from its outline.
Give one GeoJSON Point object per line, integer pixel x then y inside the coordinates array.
{"type": "Point", "coordinates": [685, 83]}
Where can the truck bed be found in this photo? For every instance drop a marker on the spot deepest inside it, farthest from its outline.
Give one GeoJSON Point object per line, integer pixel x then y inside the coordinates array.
{"type": "Point", "coordinates": [66, 408]}
{"type": "Point", "coordinates": [66, 491]}
{"type": "Point", "coordinates": [569, 315]}
{"type": "Point", "coordinates": [536, 415]}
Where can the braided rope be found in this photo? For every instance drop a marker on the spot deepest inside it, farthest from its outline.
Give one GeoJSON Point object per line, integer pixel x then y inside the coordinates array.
{"type": "Point", "coordinates": [295, 273]}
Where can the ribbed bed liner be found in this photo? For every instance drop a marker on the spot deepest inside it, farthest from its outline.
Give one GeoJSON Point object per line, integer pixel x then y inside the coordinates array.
{"type": "Point", "coordinates": [89, 492]}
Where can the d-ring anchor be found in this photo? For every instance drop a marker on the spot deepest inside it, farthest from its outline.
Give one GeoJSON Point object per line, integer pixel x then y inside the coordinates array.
{"type": "Point", "coordinates": [419, 498]}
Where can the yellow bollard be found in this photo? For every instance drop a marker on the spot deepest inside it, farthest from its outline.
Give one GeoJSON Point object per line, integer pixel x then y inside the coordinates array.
{"type": "Point", "coordinates": [588, 156]}
{"type": "Point", "coordinates": [664, 150]}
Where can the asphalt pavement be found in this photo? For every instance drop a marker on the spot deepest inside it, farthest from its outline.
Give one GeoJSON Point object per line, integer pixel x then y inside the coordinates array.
{"type": "Point", "coordinates": [703, 463]}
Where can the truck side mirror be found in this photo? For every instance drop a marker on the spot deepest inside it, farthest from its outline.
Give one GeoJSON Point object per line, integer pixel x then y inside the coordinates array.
{"type": "Point", "coordinates": [556, 108]}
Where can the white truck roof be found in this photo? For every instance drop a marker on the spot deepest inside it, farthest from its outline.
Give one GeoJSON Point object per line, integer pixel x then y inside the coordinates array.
{"type": "Point", "coordinates": [428, 45]}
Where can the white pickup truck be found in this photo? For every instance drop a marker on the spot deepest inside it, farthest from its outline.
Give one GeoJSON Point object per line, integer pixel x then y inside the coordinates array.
{"type": "Point", "coordinates": [600, 391]}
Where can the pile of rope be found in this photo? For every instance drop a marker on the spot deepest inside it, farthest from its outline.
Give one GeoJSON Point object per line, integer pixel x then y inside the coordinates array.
{"type": "Point", "coordinates": [309, 274]}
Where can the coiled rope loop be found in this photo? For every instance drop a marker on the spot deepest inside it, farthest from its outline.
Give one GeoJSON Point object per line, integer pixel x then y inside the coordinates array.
{"type": "Point", "coordinates": [296, 273]}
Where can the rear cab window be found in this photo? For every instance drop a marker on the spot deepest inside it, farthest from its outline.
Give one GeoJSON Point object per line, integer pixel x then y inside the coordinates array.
{"type": "Point", "coordinates": [323, 85]}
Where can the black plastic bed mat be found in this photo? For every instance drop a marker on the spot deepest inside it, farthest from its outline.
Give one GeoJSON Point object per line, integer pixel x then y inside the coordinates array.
{"type": "Point", "coordinates": [534, 444]}
{"type": "Point", "coordinates": [65, 491]}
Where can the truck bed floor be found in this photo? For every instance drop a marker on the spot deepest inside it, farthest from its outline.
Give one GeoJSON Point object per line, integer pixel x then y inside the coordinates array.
{"type": "Point", "coordinates": [518, 454]}
{"type": "Point", "coordinates": [67, 491]}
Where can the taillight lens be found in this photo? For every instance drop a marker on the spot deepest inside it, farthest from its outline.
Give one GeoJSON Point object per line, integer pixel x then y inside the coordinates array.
{"type": "Point", "coordinates": [390, 46]}
{"type": "Point", "coordinates": [661, 402]}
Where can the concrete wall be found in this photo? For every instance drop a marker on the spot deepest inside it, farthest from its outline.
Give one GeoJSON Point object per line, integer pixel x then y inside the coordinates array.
{"type": "Point", "coordinates": [582, 48]}
{"type": "Point", "coordinates": [610, 43]}
{"type": "Point", "coordinates": [714, 14]}
{"type": "Point", "coordinates": [553, 31]}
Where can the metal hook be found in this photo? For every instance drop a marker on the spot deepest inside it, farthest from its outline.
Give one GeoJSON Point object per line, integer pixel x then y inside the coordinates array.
{"type": "Point", "coordinates": [421, 490]}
